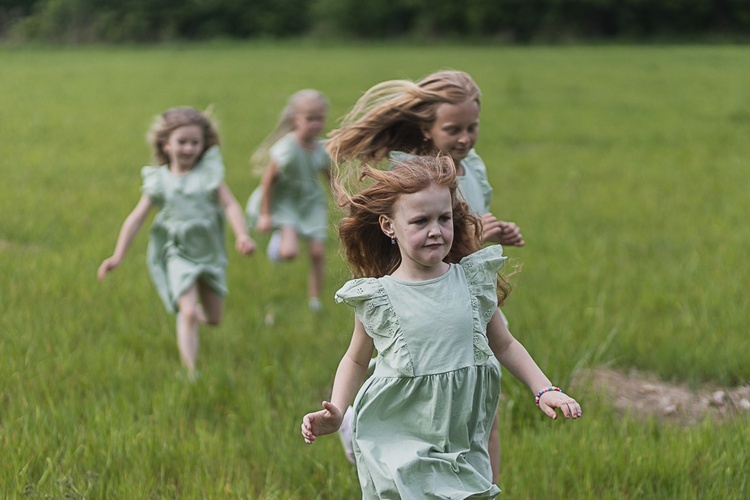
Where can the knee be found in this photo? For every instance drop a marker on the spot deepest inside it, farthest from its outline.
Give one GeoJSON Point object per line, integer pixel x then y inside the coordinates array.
{"type": "Point", "coordinates": [190, 312]}
{"type": "Point", "coordinates": [317, 253]}
{"type": "Point", "coordinates": [288, 253]}
{"type": "Point", "coordinates": [213, 319]}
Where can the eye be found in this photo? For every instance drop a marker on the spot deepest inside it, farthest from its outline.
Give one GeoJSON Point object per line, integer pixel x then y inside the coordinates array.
{"type": "Point", "coordinates": [445, 218]}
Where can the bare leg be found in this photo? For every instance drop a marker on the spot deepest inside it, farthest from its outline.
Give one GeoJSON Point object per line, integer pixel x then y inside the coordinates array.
{"type": "Point", "coordinates": [317, 252]}
{"type": "Point", "coordinates": [493, 447]}
{"type": "Point", "coordinates": [212, 305]}
{"type": "Point", "coordinates": [289, 243]}
{"type": "Point", "coordinates": [188, 320]}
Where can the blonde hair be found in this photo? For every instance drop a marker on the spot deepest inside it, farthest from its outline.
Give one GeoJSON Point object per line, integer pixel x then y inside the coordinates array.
{"type": "Point", "coordinates": [390, 116]}
{"type": "Point", "coordinates": [260, 158]}
{"type": "Point", "coordinates": [174, 118]}
{"type": "Point", "coordinates": [368, 251]}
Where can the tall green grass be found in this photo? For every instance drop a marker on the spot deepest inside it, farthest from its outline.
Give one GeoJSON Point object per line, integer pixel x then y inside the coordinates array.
{"type": "Point", "coordinates": [626, 168]}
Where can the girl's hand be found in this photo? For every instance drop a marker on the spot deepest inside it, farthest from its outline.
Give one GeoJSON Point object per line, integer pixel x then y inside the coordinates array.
{"type": "Point", "coordinates": [326, 421]}
{"type": "Point", "coordinates": [107, 266]}
{"type": "Point", "coordinates": [264, 223]}
{"type": "Point", "coordinates": [553, 399]}
{"type": "Point", "coordinates": [497, 231]}
{"type": "Point", "coordinates": [244, 244]}
{"type": "Point", "coordinates": [510, 235]}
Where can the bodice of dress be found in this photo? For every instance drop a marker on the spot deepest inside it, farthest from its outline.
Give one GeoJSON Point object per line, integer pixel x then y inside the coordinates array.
{"type": "Point", "coordinates": [298, 170]}
{"type": "Point", "coordinates": [190, 220]}
{"type": "Point", "coordinates": [432, 326]}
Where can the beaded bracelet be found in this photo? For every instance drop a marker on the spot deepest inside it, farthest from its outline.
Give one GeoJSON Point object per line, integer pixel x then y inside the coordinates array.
{"type": "Point", "coordinates": [551, 388]}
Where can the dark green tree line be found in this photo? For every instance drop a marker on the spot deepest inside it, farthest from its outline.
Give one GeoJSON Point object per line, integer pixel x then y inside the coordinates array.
{"type": "Point", "coordinates": [513, 20]}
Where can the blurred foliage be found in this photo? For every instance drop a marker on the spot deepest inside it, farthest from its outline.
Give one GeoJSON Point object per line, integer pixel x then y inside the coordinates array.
{"type": "Point", "coordinates": [510, 20]}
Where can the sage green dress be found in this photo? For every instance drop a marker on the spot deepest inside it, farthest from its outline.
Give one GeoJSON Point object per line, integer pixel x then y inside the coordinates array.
{"type": "Point", "coordinates": [298, 199]}
{"type": "Point", "coordinates": [186, 241]}
{"type": "Point", "coordinates": [422, 420]}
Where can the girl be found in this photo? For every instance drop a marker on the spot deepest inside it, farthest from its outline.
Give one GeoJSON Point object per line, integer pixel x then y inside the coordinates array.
{"type": "Point", "coordinates": [426, 298]}
{"type": "Point", "coordinates": [439, 113]}
{"type": "Point", "coordinates": [290, 199]}
{"type": "Point", "coordinates": [186, 254]}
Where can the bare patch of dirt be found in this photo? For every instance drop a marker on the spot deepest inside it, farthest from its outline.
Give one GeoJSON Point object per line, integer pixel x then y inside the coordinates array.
{"type": "Point", "coordinates": [644, 395]}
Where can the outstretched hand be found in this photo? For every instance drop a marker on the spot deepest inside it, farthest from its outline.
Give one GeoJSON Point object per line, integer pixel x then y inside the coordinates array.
{"type": "Point", "coordinates": [551, 400]}
{"type": "Point", "coordinates": [106, 266]}
{"type": "Point", "coordinates": [325, 421]}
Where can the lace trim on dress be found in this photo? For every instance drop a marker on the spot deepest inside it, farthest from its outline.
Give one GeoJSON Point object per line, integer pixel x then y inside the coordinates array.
{"type": "Point", "coordinates": [374, 309]}
{"type": "Point", "coordinates": [481, 270]}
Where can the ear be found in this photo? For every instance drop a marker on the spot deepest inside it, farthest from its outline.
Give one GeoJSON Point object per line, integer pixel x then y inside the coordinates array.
{"type": "Point", "coordinates": [426, 135]}
{"type": "Point", "coordinates": [386, 225]}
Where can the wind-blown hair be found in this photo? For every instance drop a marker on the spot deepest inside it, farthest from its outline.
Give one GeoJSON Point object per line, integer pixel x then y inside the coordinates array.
{"type": "Point", "coordinates": [171, 120]}
{"type": "Point", "coordinates": [286, 123]}
{"type": "Point", "coordinates": [368, 251]}
{"type": "Point", "coordinates": [390, 116]}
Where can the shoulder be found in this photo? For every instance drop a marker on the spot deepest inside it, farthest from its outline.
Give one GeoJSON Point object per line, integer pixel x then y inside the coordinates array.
{"type": "Point", "coordinates": [474, 163]}
{"type": "Point", "coordinates": [153, 181]}
{"type": "Point", "coordinates": [359, 290]}
{"type": "Point", "coordinates": [284, 149]}
{"type": "Point", "coordinates": [211, 166]}
{"type": "Point", "coordinates": [483, 265]}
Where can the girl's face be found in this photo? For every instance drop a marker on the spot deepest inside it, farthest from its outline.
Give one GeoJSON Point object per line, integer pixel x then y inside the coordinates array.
{"type": "Point", "coordinates": [309, 121]}
{"type": "Point", "coordinates": [422, 224]}
{"type": "Point", "coordinates": [184, 147]}
{"type": "Point", "coordinates": [455, 129]}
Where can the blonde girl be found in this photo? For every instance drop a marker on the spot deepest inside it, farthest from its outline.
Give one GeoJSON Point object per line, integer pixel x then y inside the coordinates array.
{"type": "Point", "coordinates": [290, 200]}
{"type": "Point", "coordinates": [186, 254]}
{"type": "Point", "coordinates": [426, 299]}
{"type": "Point", "coordinates": [439, 113]}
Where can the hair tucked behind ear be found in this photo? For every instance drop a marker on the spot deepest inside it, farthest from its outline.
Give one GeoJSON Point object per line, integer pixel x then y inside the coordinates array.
{"type": "Point", "coordinates": [174, 118]}
{"type": "Point", "coordinates": [390, 116]}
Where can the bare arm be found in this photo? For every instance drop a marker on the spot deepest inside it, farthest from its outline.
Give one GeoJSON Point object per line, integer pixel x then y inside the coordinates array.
{"type": "Point", "coordinates": [243, 243]}
{"type": "Point", "coordinates": [514, 356]}
{"type": "Point", "coordinates": [349, 377]}
{"type": "Point", "coordinates": [129, 229]}
{"type": "Point", "coordinates": [266, 184]}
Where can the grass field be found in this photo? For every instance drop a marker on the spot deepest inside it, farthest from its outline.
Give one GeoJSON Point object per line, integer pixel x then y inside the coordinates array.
{"type": "Point", "coordinates": [626, 168]}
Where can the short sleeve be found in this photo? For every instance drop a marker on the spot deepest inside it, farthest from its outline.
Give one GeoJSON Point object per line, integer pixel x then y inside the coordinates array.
{"type": "Point", "coordinates": [474, 162]}
{"type": "Point", "coordinates": [373, 308]}
{"type": "Point", "coordinates": [211, 166]}
{"type": "Point", "coordinates": [481, 270]}
{"type": "Point", "coordinates": [282, 152]}
{"type": "Point", "coordinates": [153, 184]}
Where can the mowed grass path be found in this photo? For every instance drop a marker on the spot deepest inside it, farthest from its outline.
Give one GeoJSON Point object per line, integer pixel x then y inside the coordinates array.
{"type": "Point", "coordinates": [626, 168]}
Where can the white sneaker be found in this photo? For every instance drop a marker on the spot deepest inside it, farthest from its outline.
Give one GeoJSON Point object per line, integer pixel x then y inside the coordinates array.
{"type": "Point", "coordinates": [273, 251]}
{"type": "Point", "coordinates": [345, 433]}
{"type": "Point", "coordinates": [314, 304]}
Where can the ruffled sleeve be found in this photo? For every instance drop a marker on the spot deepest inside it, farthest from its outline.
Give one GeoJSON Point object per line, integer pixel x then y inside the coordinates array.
{"type": "Point", "coordinates": [211, 166]}
{"type": "Point", "coordinates": [481, 270]}
{"type": "Point", "coordinates": [373, 308]}
{"type": "Point", "coordinates": [283, 151]}
{"type": "Point", "coordinates": [153, 184]}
